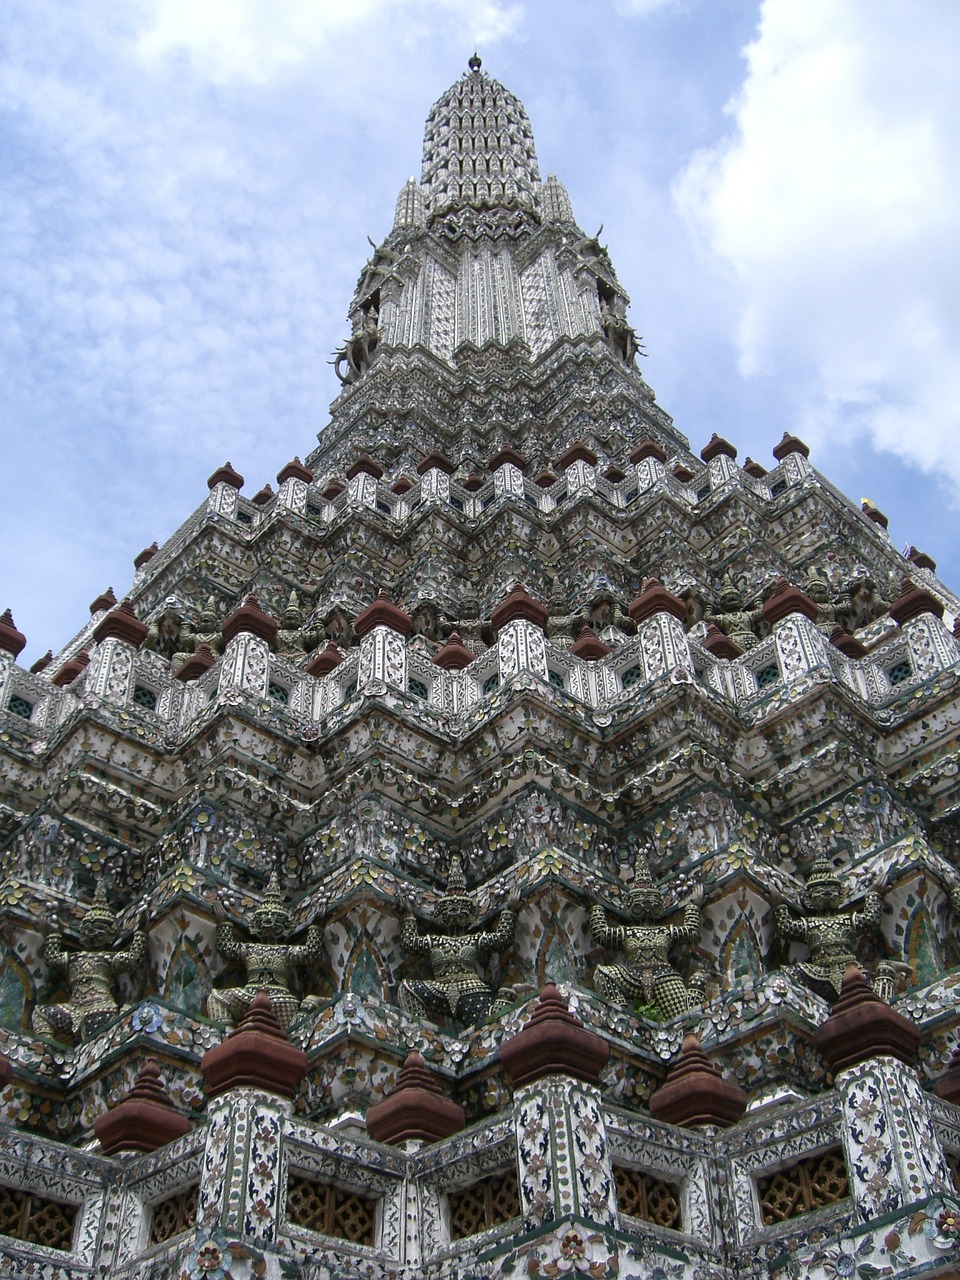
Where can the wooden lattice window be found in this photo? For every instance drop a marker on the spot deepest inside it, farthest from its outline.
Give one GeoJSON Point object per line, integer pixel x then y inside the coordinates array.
{"type": "Point", "coordinates": [953, 1164]}
{"type": "Point", "coordinates": [809, 1184]}
{"type": "Point", "coordinates": [174, 1215]}
{"type": "Point", "coordinates": [331, 1211]}
{"type": "Point", "coordinates": [641, 1195]}
{"type": "Point", "coordinates": [26, 1216]}
{"type": "Point", "coordinates": [484, 1204]}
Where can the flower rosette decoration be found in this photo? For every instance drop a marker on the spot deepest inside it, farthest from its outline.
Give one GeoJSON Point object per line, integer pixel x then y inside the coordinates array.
{"type": "Point", "coordinates": [581, 1255]}
{"type": "Point", "coordinates": [940, 1220]}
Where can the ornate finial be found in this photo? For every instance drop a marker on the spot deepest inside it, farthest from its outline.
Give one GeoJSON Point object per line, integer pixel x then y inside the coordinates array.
{"type": "Point", "coordinates": [456, 880]}
{"type": "Point", "coordinates": [641, 878]}
{"type": "Point", "coordinates": [475, 64]}
{"type": "Point", "coordinates": [293, 614]}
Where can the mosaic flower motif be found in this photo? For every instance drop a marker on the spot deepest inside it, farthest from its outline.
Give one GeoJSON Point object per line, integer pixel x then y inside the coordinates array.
{"type": "Point", "coordinates": [948, 1223]}
{"type": "Point", "coordinates": [146, 1017]}
{"type": "Point", "coordinates": [583, 1255]}
{"type": "Point", "coordinates": [209, 1259]}
{"type": "Point", "coordinates": [839, 1265]}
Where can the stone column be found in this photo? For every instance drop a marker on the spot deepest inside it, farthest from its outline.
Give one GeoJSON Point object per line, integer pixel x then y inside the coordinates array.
{"type": "Point", "coordinates": [579, 467]}
{"type": "Point", "coordinates": [382, 630]}
{"type": "Point", "coordinates": [801, 648]}
{"type": "Point", "coordinates": [519, 622]}
{"type": "Point", "coordinates": [248, 634]}
{"type": "Point", "coordinates": [919, 614]}
{"type": "Point", "coordinates": [293, 480]}
{"type": "Point", "coordinates": [659, 616]}
{"type": "Point", "coordinates": [251, 1077]}
{"type": "Point", "coordinates": [893, 1155]}
{"type": "Point", "coordinates": [118, 636]}
{"type": "Point", "coordinates": [224, 485]}
{"type": "Point", "coordinates": [721, 459]}
{"type": "Point", "coordinates": [565, 1169]}
{"type": "Point", "coordinates": [435, 471]}
{"type": "Point", "coordinates": [648, 459]}
{"type": "Point", "coordinates": [508, 468]}
{"type": "Point", "coordinates": [362, 480]}
{"type": "Point", "coordinates": [12, 642]}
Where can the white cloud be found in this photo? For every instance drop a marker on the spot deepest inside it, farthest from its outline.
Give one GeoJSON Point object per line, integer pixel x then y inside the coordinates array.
{"type": "Point", "coordinates": [835, 202]}
{"type": "Point", "coordinates": [254, 40]}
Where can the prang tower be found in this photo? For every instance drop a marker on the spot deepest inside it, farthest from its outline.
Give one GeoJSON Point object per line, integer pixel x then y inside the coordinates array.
{"type": "Point", "coordinates": [518, 845]}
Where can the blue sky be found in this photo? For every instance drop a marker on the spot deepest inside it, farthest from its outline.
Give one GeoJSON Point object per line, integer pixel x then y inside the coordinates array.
{"type": "Point", "coordinates": [188, 186]}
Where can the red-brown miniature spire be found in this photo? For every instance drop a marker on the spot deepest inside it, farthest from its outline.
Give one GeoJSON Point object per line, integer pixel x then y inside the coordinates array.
{"type": "Point", "coordinates": [121, 624]}
{"type": "Point", "coordinates": [105, 600]}
{"type": "Point", "coordinates": [847, 643]}
{"type": "Point", "coordinates": [41, 664]}
{"type": "Point", "coordinates": [912, 601]}
{"type": "Point", "coordinates": [295, 470]}
{"type": "Point", "coordinates": [655, 598]}
{"type": "Point", "coordinates": [553, 1042]}
{"type": "Point", "coordinates": [695, 1093]}
{"type": "Point", "coordinates": [790, 444]}
{"type": "Point", "coordinates": [454, 655]}
{"type": "Point", "coordinates": [144, 1119]}
{"type": "Point", "coordinates": [435, 460]}
{"type": "Point", "coordinates": [508, 455]}
{"type": "Point", "coordinates": [323, 662]}
{"type": "Point", "coordinates": [72, 668]}
{"type": "Point", "coordinates": [719, 645]}
{"type": "Point", "coordinates": [365, 465]}
{"type": "Point", "coordinates": [226, 475]}
{"type": "Point", "coordinates": [145, 556]}
{"type": "Point", "coordinates": [257, 1054]}
{"type": "Point", "coordinates": [862, 1026]}
{"type": "Point", "coordinates": [717, 447]}
{"type": "Point", "coordinates": [578, 452]}
{"type": "Point", "coordinates": [518, 604]}
{"type": "Point", "coordinates": [648, 448]}
{"type": "Point", "coordinates": [383, 613]}
{"type": "Point", "coordinates": [415, 1108]}
{"type": "Point", "coordinates": [11, 640]}
{"type": "Point", "coordinates": [196, 664]}
{"type": "Point", "coordinates": [249, 617]}
{"type": "Point", "coordinates": [786, 599]}
{"type": "Point", "coordinates": [589, 646]}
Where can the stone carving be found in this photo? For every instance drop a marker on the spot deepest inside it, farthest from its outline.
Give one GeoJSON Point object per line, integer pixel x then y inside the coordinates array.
{"type": "Point", "coordinates": [357, 352]}
{"type": "Point", "coordinates": [90, 973]}
{"type": "Point", "coordinates": [163, 634]}
{"type": "Point", "coordinates": [269, 960]}
{"type": "Point", "coordinates": [734, 617]}
{"type": "Point", "coordinates": [456, 990]}
{"type": "Point", "coordinates": [621, 337]}
{"type": "Point", "coordinates": [864, 604]}
{"type": "Point", "coordinates": [648, 978]}
{"type": "Point", "coordinates": [830, 933]}
{"type": "Point", "coordinates": [293, 639]}
{"type": "Point", "coordinates": [828, 609]}
{"type": "Point", "coordinates": [206, 631]}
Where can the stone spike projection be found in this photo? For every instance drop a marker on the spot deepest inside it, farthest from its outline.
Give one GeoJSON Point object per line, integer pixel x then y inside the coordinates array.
{"type": "Point", "coordinates": [505, 685]}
